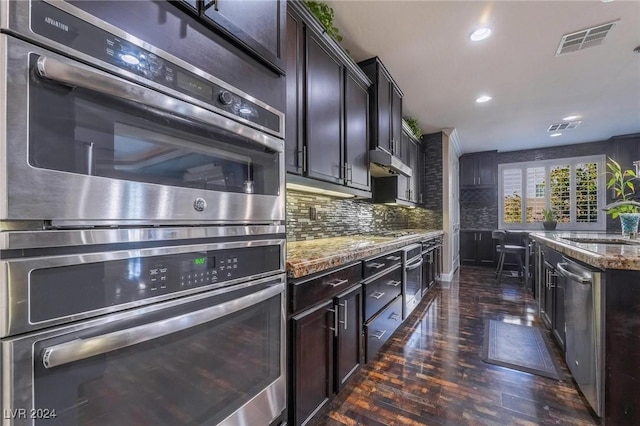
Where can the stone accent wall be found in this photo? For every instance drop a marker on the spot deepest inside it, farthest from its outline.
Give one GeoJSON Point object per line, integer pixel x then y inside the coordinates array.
{"type": "Point", "coordinates": [433, 171]}
{"type": "Point", "coordinates": [338, 217]}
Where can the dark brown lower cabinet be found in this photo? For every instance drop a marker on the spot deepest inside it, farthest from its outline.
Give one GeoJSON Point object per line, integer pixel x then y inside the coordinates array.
{"type": "Point", "coordinates": [477, 248]}
{"type": "Point", "coordinates": [348, 335]}
{"type": "Point", "coordinates": [313, 361]}
{"type": "Point", "coordinates": [325, 339]}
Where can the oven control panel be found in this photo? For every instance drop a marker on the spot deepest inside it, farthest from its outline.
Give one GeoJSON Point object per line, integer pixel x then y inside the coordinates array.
{"type": "Point", "coordinates": [68, 290]}
{"type": "Point", "coordinates": [53, 23]}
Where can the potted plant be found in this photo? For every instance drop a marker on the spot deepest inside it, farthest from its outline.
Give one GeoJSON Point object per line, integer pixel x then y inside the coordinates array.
{"type": "Point", "coordinates": [625, 208]}
{"type": "Point", "coordinates": [549, 221]}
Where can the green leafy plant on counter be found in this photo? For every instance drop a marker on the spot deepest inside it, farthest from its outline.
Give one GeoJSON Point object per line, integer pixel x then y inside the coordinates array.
{"type": "Point", "coordinates": [622, 183]}
{"type": "Point", "coordinates": [548, 215]}
{"type": "Point", "coordinates": [325, 15]}
{"type": "Point", "coordinates": [414, 126]}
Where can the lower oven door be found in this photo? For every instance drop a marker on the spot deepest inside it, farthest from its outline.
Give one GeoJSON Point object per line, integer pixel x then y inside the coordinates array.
{"type": "Point", "coordinates": [212, 358]}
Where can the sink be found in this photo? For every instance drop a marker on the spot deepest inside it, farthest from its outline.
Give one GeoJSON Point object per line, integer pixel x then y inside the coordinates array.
{"type": "Point", "coordinates": [596, 240]}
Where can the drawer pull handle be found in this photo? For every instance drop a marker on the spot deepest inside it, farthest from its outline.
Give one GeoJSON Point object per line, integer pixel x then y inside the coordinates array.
{"type": "Point", "coordinates": [379, 336]}
{"type": "Point", "coordinates": [375, 265]}
{"type": "Point", "coordinates": [377, 295]}
{"type": "Point", "coordinates": [394, 316]}
{"type": "Point", "coordinates": [394, 283]}
{"type": "Point", "coordinates": [337, 282]}
{"type": "Point", "coordinates": [393, 258]}
{"type": "Point", "coordinates": [344, 323]}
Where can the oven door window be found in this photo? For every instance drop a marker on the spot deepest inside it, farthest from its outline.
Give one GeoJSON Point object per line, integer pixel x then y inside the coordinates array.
{"type": "Point", "coordinates": [196, 376]}
{"type": "Point", "coordinates": [76, 130]}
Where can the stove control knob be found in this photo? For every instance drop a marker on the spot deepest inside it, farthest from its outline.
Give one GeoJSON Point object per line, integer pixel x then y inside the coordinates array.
{"type": "Point", "coordinates": [225, 98]}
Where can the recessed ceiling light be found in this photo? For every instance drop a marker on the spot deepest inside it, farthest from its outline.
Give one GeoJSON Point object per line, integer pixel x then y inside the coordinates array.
{"type": "Point", "coordinates": [480, 34]}
{"type": "Point", "coordinates": [606, 1]}
{"type": "Point", "coordinates": [555, 135]}
{"type": "Point", "coordinates": [570, 117]}
{"type": "Point", "coordinates": [483, 99]}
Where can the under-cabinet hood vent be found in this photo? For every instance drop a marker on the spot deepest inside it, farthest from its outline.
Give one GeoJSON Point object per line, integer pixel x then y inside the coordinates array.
{"type": "Point", "coordinates": [585, 38]}
{"type": "Point", "coordinates": [566, 125]}
{"type": "Point", "coordinates": [384, 164]}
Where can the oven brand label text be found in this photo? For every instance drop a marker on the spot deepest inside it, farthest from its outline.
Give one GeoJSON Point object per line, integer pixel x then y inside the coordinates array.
{"type": "Point", "coordinates": [56, 24]}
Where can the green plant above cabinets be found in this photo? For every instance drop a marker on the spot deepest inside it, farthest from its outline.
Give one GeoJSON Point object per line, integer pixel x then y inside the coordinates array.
{"type": "Point", "coordinates": [414, 126]}
{"type": "Point", "coordinates": [324, 13]}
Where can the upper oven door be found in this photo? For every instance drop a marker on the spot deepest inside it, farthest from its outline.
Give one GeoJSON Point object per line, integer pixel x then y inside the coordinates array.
{"type": "Point", "coordinates": [83, 145]}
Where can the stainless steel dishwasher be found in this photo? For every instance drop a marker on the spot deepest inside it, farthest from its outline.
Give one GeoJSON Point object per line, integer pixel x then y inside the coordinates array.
{"type": "Point", "coordinates": [584, 329]}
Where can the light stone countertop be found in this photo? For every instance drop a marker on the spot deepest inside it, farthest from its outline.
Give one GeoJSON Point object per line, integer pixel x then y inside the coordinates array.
{"type": "Point", "coordinates": [311, 256]}
{"type": "Point", "coordinates": [620, 253]}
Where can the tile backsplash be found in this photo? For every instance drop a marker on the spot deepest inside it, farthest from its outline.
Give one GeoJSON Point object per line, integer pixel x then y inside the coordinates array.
{"type": "Point", "coordinates": [336, 217]}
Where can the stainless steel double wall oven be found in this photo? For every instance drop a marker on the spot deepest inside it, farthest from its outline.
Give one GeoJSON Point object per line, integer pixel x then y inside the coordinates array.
{"type": "Point", "coordinates": [142, 252]}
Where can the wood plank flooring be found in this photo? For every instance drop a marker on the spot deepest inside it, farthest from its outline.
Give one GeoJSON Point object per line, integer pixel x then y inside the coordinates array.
{"type": "Point", "coordinates": [431, 372]}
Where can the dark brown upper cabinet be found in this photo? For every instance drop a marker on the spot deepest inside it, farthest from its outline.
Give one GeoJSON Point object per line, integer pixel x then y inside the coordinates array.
{"type": "Point", "coordinates": [324, 113]}
{"type": "Point", "coordinates": [256, 26]}
{"type": "Point", "coordinates": [385, 100]}
{"type": "Point", "coordinates": [327, 133]}
{"type": "Point", "coordinates": [478, 170]}
{"type": "Point", "coordinates": [356, 132]}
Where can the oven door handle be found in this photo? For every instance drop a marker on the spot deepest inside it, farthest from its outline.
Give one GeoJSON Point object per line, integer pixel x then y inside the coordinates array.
{"type": "Point", "coordinates": [412, 266]}
{"type": "Point", "coordinates": [97, 81]}
{"type": "Point", "coordinates": [80, 349]}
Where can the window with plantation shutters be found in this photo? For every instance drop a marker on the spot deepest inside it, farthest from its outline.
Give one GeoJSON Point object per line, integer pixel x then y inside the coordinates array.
{"type": "Point", "coordinates": [574, 188]}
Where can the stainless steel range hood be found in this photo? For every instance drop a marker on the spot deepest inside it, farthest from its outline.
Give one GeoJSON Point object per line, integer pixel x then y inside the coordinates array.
{"type": "Point", "coordinates": [384, 164]}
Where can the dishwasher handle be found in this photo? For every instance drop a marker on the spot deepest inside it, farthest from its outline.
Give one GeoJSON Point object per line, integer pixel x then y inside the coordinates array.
{"type": "Point", "coordinates": [561, 267]}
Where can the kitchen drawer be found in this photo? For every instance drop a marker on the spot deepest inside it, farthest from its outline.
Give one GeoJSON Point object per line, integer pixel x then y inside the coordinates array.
{"type": "Point", "coordinates": [378, 264]}
{"type": "Point", "coordinates": [382, 290]}
{"type": "Point", "coordinates": [308, 291]}
{"type": "Point", "coordinates": [379, 329]}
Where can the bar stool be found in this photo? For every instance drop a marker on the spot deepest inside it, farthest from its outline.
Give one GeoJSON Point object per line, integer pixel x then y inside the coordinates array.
{"type": "Point", "coordinates": [505, 249]}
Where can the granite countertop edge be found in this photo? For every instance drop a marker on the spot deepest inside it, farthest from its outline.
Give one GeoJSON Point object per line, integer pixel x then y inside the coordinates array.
{"type": "Point", "coordinates": [603, 256]}
{"type": "Point", "coordinates": [303, 265]}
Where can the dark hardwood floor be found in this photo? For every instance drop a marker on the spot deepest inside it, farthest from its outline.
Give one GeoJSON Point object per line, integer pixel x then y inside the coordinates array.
{"type": "Point", "coordinates": [431, 372]}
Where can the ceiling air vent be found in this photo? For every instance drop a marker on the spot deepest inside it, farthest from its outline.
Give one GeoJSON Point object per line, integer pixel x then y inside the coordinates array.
{"type": "Point", "coordinates": [585, 38]}
{"type": "Point", "coordinates": [567, 125]}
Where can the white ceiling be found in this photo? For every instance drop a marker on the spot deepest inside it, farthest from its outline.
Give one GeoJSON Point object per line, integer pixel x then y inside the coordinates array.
{"type": "Point", "coordinates": [425, 46]}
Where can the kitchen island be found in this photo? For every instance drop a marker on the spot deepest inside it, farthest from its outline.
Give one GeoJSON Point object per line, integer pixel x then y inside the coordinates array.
{"type": "Point", "coordinates": [610, 297]}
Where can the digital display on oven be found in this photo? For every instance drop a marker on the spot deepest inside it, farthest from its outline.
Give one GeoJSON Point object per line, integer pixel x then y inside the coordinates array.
{"type": "Point", "coordinates": [195, 86]}
{"type": "Point", "coordinates": [200, 263]}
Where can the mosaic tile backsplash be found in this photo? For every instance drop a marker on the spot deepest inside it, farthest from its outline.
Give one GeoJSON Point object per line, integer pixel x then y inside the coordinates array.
{"type": "Point", "coordinates": [336, 217]}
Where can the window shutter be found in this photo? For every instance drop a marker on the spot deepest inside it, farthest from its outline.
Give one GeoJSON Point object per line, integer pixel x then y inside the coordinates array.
{"type": "Point", "coordinates": [512, 190]}
{"type": "Point", "coordinates": [586, 176]}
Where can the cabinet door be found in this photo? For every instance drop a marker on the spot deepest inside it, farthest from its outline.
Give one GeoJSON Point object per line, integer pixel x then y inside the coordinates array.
{"type": "Point", "coordinates": [324, 113]}
{"type": "Point", "coordinates": [257, 26]}
{"type": "Point", "coordinates": [403, 149]}
{"type": "Point", "coordinates": [396, 116]}
{"type": "Point", "coordinates": [486, 169]}
{"type": "Point", "coordinates": [356, 141]}
{"type": "Point", "coordinates": [403, 187]}
{"type": "Point", "coordinates": [293, 126]}
{"type": "Point", "coordinates": [349, 342]}
{"type": "Point", "coordinates": [558, 311]}
{"type": "Point", "coordinates": [415, 172]}
{"type": "Point", "coordinates": [547, 292]}
{"type": "Point", "coordinates": [383, 118]}
{"type": "Point", "coordinates": [313, 361]}
{"type": "Point", "coordinates": [467, 170]}
{"type": "Point", "coordinates": [468, 247]}
{"type": "Point", "coordinates": [420, 184]}
{"type": "Point", "coordinates": [486, 246]}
